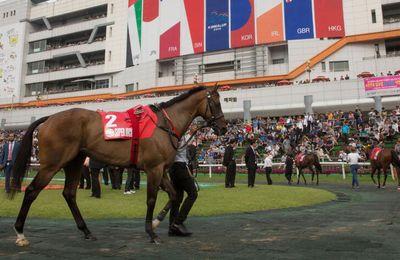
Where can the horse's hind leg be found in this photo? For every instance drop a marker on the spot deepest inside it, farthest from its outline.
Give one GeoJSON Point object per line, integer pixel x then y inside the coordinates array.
{"type": "Point", "coordinates": [168, 187]}
{"type": "Point", "coordinates": [312, 173]}
{"type": "Point", "coordinates": [44, 176]}
{"type": "Point", "coordinates": [73, 173]}
{"type": "Point", "coordinates": [385, 177]}
{"type": "Point", "coordinates": [379, 179]}
{"type": "Point", "coordinates": [373, 170]}
{"type": "Point", "coordinates": [299, 176]}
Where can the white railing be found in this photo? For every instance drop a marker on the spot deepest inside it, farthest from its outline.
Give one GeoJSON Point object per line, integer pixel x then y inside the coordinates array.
{"type": "Point", "coordinates": [342, 164]}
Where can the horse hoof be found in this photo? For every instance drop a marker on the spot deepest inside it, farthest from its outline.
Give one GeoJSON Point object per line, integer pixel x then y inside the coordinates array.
{"type": "Point", "coordinates": [383, 187]}
{"type": "Point", "coordinates": [398, 188]}
{"type": "Point", "coordinates": [90, 237]}
{"type": "Point", "coordinates": [155, 240]}
{"type": "Point", "coordinates": [22, 242]}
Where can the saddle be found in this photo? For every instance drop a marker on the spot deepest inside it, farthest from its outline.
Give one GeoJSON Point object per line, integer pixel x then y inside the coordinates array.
{"type": "Point", "coordinates": [374, 153]}
{"type": "Point", "coordinates": [134, 124]}
{"type": "Point", "coordinates": [300, 158]}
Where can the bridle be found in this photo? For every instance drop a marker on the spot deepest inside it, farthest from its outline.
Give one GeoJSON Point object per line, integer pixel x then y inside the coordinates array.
{"type": "Point", "coordinates": [210, 122]}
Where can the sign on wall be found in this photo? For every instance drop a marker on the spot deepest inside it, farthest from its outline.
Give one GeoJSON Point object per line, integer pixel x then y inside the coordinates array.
{"type": "Point", "coordinates": [217, 25]}
{"type": "Point", "coordinates": [298, 19]}
{"type": "Point", "coordinates": [11, 50]}
{"type": "Point", "coordinates": [329, 18]}
{"type": "Point", "coordinates": [382, 86]}
{"type": "Point", "coordinates": [170, 28]}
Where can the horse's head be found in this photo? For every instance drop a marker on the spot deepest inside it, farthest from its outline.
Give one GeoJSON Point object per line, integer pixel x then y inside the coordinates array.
{"type": "Point", "coordinates": [211, 111]}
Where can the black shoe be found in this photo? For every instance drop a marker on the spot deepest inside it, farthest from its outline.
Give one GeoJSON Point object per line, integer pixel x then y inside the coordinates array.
{"type": "Point", "coordinates": [88, 188]}
{"type": "Point", "coordinates": [178, 230]}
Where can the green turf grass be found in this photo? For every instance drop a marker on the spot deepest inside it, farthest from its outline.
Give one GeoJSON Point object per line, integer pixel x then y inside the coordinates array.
{"type": "Point", "coordinates": [214, 200]}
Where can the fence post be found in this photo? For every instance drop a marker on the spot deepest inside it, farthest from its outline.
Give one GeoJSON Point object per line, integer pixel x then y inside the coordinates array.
{"type": "Point", "coordinates": [343, 171]}
{"type": "Point", "coordinates": [209, 172]}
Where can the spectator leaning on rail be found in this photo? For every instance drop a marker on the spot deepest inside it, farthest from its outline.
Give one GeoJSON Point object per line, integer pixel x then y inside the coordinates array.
{"type": "Point", "coordinates": [7, 160]}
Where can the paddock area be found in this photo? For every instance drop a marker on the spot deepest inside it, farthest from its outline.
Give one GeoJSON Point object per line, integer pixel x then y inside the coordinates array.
{"type": "Point", "coordinates": [339, 222]}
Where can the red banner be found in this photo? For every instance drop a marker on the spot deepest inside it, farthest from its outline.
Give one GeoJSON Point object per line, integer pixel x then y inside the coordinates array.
{"type": "Point", "coordinates": [242, 23]}
{"type": "Point", "coordinates": [329, 21]}
{"type": "Point", "coordinates": [150, 10]}
{"type": "Point", "coordinates": [170, 42]}
{"type": "Point", "coordinates": [195, 17]}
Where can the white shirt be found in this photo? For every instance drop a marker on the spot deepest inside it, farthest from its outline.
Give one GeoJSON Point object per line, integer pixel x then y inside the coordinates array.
{"type": "Point", "coordinates": [352, 158]}
{"type": "Point", "coordinates": [268, 161]}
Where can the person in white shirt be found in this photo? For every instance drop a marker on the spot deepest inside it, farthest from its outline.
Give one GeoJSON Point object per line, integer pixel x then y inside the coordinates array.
{"type": "Point", "coordinates": [352, 159]}
{"type": "Point", "coordinates": [268, 166]}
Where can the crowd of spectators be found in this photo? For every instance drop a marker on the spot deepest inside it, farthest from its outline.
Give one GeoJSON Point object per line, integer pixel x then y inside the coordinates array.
{"type": "Point", "coordinates": [320, 133]}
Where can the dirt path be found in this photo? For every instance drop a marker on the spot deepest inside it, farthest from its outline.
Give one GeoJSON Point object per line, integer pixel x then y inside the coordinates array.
{"type": "Point", "coordinates": [360, 224]}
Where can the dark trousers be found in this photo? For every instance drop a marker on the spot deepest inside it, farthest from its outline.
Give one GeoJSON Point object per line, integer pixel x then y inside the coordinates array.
{"type": "Point", "coordinates": [251, 176]}
{"type": "Point", "coordinates": [182, 181]}
{"type": "Point", "coordinates": [129, 180]}
{"type": "Point", "coordinates": [85, 176]}
{"type": "Point", "coordinates": [7, 173]}
{"type": "Point", "coordinates": [288, 174]}
{"type": "Point", "coordinates": [268, 171]}
{"type": "Point", "coordinates": [136, 178]}
{"type": "Point", "coordinates": [230, 175]}
{"type": "Point", "coordinates": [105, 175]}
{"type": "Point", "coordinates": [116, 178]}
{"type": "Point", "coordinates": [96, 190]}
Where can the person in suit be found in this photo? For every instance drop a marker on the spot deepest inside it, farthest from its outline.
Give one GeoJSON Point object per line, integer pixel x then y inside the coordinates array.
{"type": "Point", "coordinates": [230, 164]}
{"type": "Point", "coordinates": [1, 152]}
{"type": "Point", "coordinates": [7, 160]}
{"type": "Point", "coordinates": [94, 168]}
{"type": "Point", "coordinates": [289, 167]}
{"type": "Point", "coordinates": [85, 176]}
{"type": "Point", "coordinates": [251, 163]}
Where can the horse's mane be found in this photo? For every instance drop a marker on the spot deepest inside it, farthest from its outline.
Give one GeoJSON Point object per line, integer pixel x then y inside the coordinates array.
{"type": "Point", "coordinates": [181, 97]}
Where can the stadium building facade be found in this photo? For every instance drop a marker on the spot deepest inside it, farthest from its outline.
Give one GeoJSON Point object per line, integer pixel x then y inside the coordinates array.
{"type": "Point", "coordinates": [120, 52]}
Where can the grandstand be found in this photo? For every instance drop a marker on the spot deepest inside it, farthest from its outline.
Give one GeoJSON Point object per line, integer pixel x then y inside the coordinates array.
{"type": "Point", "coordinates": [112, 55]}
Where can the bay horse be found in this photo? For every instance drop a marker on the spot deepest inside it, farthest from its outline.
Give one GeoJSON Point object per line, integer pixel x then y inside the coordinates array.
{"type": "Point", "coordinates": [309, 161]}
{"type": "Point", "coordinates": [382, 162]}
{"type": "Point", "coordinates": [66, 138]}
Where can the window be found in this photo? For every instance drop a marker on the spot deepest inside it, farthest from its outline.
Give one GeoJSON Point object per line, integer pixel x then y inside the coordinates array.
{"type": "Point", "coordinates": [104, 83]}
{"type": "Point", "coordinates": [218, 67]}
{"type": "Point", "coordinates": [373, 14]}
{"type": "Point", "coordinates": [338, 66]}
{"type": "Point", "coordinates": [130, 87]}
{"type": "Point", "coordinates": [278, 61]}
{"type": "Point", "coordinates": [34, 89]}
{"type": "Point", "coordinates": [37, 46]}
{"type": "Point", "coordinates": [36, 67]}
{"type": "Point", "coordinates": [323, 66]}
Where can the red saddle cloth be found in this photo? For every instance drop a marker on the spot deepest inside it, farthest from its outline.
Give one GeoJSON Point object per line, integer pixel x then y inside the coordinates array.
{"type": "Point", "coordinates": [374, 153]}
{"type": "Point", "coordinates": [136, 123]}
{"type": "Point", "coordinates": [299, 158]}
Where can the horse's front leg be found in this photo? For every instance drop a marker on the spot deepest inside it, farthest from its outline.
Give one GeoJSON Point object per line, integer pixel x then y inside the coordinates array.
{"type": "Point", "coordinates": [154, 176]}
{"type": "Point", "coordinates": [385, 177]}
{"type": "Point", "coordinates": [298, 176]}
{"type": "Point", "coordinates": [167, 186]}
{"type": "Point", "coordinates": [373, 170]}
{"type": "Point", "coordinates": [379, 179]}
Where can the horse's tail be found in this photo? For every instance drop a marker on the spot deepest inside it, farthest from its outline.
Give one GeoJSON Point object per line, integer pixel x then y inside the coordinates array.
{"type": "Point", "coordinates": [23, 158]}
{"type": "Point", "coordinates": [395, 161]}
{"type": "Point", "coordinates": [317, 164]}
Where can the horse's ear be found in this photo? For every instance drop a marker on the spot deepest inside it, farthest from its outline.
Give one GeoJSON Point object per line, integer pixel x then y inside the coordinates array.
{"type": "Point", "coordinates": [216, 87]}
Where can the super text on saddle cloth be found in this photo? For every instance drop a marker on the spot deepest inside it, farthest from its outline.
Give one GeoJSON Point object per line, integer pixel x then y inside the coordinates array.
{"type": "Point", "coordinates": [136, 123]}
